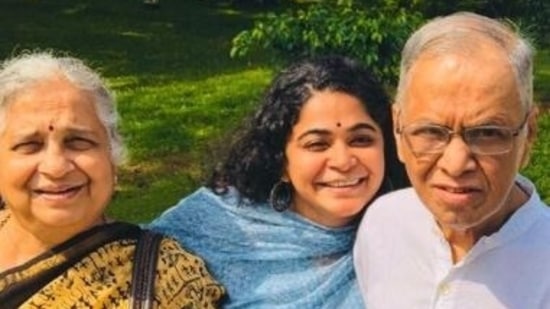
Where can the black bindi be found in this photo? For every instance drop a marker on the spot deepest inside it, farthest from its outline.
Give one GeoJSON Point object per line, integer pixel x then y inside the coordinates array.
{"type": "Point", "coordinates": [50, 127]}
{"type": "Point", "coordinates": [338, 124]}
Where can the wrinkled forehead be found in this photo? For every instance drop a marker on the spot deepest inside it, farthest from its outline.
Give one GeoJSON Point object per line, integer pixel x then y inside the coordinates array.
{"type": "Point", "coordinates": [15, 88]}
{"type": "Point", "coordinates": [41, 96]}
{"type": "Point", "coordinates": [484, 58]}
{"type": "Point", "coordinates": [474, 83]}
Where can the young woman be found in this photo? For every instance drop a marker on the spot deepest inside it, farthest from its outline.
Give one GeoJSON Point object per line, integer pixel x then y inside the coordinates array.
{"type": "Point", "coordinates": [277, 221]}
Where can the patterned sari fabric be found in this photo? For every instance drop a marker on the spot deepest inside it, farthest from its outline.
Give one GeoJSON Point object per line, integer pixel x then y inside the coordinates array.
{"type": "Point", "coordinates": [94, 270]}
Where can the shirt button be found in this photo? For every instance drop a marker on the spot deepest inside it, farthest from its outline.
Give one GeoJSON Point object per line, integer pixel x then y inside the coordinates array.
{"type": "Point", "coordinates": [444, 289]}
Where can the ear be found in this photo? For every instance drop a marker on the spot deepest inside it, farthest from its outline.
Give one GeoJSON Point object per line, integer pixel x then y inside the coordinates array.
{"type": "Point", "coordinates": [285, 177]}
{"type": "Point", "coordinates": [396, 111]}
{"type": "Point", "coordinates": [532, 131]}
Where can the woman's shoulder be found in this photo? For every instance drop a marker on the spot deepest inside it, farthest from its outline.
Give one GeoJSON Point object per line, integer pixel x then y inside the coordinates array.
{"type": "Point", "coordinates": [202, 216]}
{"type": "Point", "coordinates": [207, 196]}
{"type": "Point", "coordinates": [193, 205]}
{"type": "Point", "coordinates": [183, 280]}
{"type": "Point", "coordinates": [206, 201]}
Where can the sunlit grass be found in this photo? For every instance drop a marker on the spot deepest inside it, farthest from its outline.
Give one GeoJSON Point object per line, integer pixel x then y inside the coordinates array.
{"type": "Point", "coordinates": [169, 129]}
{"type": "Point", "coordinates": [173, 117]}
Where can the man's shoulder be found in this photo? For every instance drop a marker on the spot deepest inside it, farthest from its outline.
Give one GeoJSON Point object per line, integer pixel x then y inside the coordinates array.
{"type": "Point", "coordinates": [203, 199]}
{"type": "Point", "coordinates": [403, 200]}
{"type": "Point", "coordinates": [408, 192]}
{"type": "Point", "coordinates": [542, 224]}
{"type": "Point", "coordinates": [195, 209]}
{"type": "Point", "coordinates": [388, 211]}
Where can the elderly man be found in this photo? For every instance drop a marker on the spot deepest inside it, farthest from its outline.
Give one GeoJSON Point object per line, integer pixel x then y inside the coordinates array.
{"type": "Point", "coordinates": [472, 232]}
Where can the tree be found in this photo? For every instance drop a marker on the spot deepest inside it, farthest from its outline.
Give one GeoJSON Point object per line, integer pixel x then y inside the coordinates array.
{"type": "Point", "coordinates": [372, 35]}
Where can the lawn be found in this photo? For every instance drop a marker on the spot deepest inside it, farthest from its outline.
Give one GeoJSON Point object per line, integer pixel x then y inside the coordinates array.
{"type": "Point", "coordinates": [179, 93]}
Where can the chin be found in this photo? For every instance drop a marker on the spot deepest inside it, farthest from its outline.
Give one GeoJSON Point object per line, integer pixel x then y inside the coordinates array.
{"type": "Point", "coordinates": [60, 218]}
{"type": "Point", "coordinates": [348, 211]}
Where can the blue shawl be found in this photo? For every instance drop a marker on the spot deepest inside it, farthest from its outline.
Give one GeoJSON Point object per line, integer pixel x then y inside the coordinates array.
{"type": "Point", "coordinates": [264, 258]}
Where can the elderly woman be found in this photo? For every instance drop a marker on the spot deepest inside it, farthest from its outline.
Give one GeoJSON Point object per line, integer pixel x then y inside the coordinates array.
{"type": "Point", "coordinates": [277, 222]}
{"type": "Point", "coordinates": [59, 148]}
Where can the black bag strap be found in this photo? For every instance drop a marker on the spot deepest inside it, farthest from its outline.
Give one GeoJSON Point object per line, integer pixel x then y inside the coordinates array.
{"type": "Point", "coordinates": [144, 270]}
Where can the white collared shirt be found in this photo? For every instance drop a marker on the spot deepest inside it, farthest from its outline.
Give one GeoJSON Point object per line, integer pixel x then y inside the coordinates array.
{"type": "Point", "coordinates": [402, 259]}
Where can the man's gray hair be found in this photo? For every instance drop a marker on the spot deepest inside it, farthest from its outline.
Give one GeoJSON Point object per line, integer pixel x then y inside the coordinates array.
{"type": "Point", "coordinates": [461, 32]}
{"type": "Point", "coordinates": [26, 70]}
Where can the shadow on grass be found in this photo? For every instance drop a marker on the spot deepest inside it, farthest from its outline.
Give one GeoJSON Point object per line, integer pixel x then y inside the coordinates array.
{"type": "Point", "coordinates": [182, 39]}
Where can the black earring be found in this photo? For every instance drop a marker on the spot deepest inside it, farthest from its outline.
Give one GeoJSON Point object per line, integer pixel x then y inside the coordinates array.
{"type": "Point", "coordinates": [280, 196]}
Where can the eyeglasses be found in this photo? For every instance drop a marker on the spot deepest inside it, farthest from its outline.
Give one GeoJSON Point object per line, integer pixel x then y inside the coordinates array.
{"type": "Point", "coordinates": [482, 140]}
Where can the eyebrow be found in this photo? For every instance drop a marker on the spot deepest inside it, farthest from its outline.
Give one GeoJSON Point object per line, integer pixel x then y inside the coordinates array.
{"type": "Point", "coordinates": [357, 127]}
{"type": "Point", "coordinates": [80, 131]}
{"type": "Point", "coordinates": [24, 135]}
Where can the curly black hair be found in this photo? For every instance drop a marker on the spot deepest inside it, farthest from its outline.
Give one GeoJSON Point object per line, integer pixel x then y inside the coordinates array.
{"type": "Point", "coordinates": [256, 159]}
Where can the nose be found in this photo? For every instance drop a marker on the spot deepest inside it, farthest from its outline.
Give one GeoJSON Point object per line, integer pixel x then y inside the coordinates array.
{"type": "Point", "coordinates": [54, 162]}
{"type": "Point", "coordinates": [342, 158]}
{"type": "Point", "coordinates": [457, 158]}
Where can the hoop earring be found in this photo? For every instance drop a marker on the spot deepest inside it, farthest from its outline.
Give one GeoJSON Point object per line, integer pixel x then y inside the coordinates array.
{"type": "Point", "coordinates": [280, 196]}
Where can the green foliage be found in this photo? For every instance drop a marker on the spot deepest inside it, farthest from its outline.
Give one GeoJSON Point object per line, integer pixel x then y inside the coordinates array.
{"type": "Point", "coordinates": [371, 35]}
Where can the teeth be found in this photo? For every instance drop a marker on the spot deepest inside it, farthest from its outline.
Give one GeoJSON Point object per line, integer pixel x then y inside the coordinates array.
{"type": "Point", "coordinates": [343, 183]}
{"type": "Point", "coordinates": [56, 192]}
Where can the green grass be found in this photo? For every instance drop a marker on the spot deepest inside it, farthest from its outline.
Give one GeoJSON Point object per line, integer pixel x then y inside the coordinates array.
{"type": "Point", "coordinates": [538, 169]}
{"type": "Point", "coordinates": [179, 93]}
{"type": "Point", "coordinates": [170, 129]}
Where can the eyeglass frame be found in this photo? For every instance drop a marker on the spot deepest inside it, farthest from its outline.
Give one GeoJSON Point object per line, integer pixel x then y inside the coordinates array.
{"type": "Point", "coordinates": [462, 133]}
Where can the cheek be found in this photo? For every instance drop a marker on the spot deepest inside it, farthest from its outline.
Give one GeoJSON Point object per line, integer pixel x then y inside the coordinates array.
{"type": "Point", "coordinates": [303, 168]}
{"type": "Point", "coordinates": [373, 160]}
{"type": "Point", "coordinates": [16, 177]}
{"type": "Point", "coordinates": [17, 170]}
{"type": "Point", "coordinates": [420, 168]}
{"type": "Point", "coordinates": [99, 169]}
{"type": "Point", "coordinates": [499, 171]}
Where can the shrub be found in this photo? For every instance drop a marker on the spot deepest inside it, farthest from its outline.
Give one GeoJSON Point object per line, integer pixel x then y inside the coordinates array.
{"type": "Point", "coordinates": [374, 36]}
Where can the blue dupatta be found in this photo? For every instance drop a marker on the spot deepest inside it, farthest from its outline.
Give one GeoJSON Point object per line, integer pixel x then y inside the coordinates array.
{"type": "Point", "coordinates": [264, 258]}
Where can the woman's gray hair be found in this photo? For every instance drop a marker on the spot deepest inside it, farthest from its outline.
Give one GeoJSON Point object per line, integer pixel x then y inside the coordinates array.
{"type": "Point", "coordinates": [22, 72]}
{"type": "Point", "coordinates": [462, 32]}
